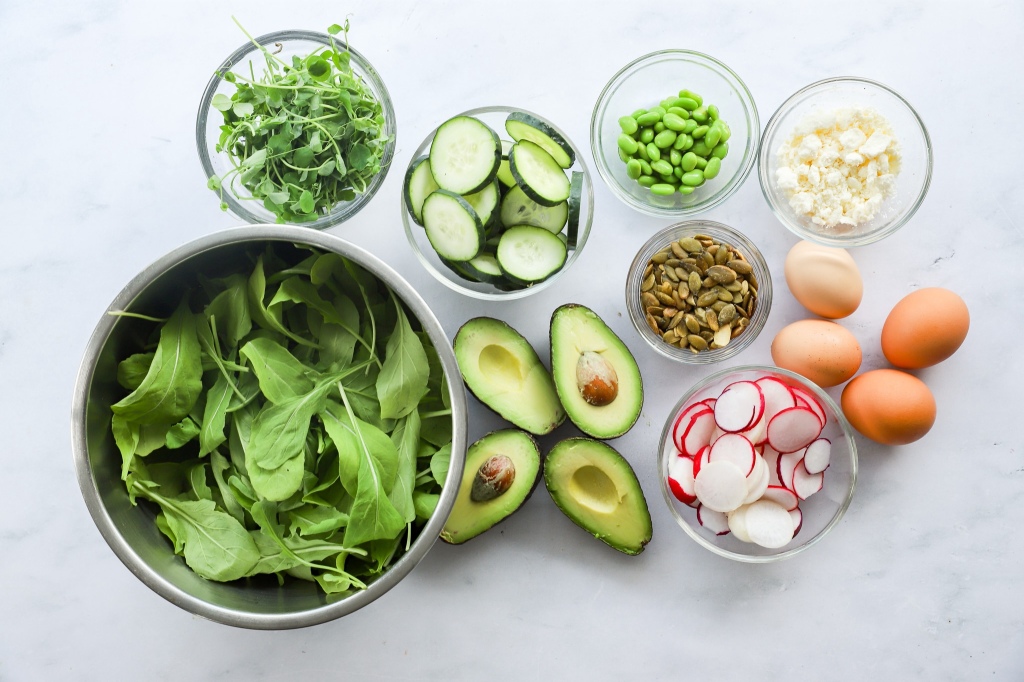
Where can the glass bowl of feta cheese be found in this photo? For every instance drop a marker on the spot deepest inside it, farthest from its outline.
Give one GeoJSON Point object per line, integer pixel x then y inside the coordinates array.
{"type": "Point", "coordinates": [845, 162]}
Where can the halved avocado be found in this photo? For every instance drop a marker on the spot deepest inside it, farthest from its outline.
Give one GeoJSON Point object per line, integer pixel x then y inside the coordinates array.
{"type": "Point", "coordinates": [597, 489]}
{"type": "Point", "coordinates": [502, 471]}
{"type": "Point", "coordinates": [503, 371]}
{"type": "Point", "coordinates": [596, 377]}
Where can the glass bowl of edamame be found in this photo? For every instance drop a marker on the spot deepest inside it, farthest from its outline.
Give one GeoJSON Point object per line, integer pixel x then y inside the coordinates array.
{"type": "Point", "coordinates": [674, 133]}
{"type": "Point", "coordinates": [845, 162]}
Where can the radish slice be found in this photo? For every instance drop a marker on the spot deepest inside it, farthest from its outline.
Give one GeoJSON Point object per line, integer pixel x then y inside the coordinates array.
{"type": "Point", "coordinates": [805, 399]}
{"type": "Point", "coordinates": [777, 396]}
{"type": "Point", "coordinates": [781, 496]}
{"type": "Point", "coordinates": [682, 421]}
{"type": "Point", "coordinates": [738, 523]}
{"type": "Point", "coordinates": [710, 402]}
{"type": "Point", "coordinates": [757, 482]}
{"type": "Point", "coordinates": [698, 432]}
{"type": "Point", "coordinates": [680, 479]}
{"type": "Point", "coordinates": [714, 521]}
{"type": "Point", "coordinates": [758, 433]}
{"type": "Point", "coordinates": [788, 464]}
{"type": "Point", "coordinates": [720, 486]}
{"type": "Point", "coordinates": [817, 456]}
{"type": "Point", "coordinates": [798, 520]}
{"type": "Point", "coordinates": [771, 458]}
{"type": "Point", "coordinates": [793, 429]}
{"type": "Point", "coordinates": [734, 448]}
{"type": "Point", "coordinates": [701, 459]}
{"type": "Point", "coordinates": [768, 524]}
{"type": "Point", "coordinates": [805, 484]}
{"type": "Point", "coordinates": [739, 407]}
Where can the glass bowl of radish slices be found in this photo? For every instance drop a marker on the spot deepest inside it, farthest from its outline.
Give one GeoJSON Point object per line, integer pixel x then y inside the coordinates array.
{"type": "Point", "coordinates": [497, 202]}
{"type": "Point", "coordinates": [757, 463]}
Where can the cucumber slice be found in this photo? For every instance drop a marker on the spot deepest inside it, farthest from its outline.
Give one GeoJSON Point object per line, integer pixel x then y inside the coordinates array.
{"type": "Point", "coordinates": [419, 183]}
{"type": "Point", "coordinates": [485, 201]}
{"type": "Point", "coordinates": [529, 254]}
{"type": "Point", "coordinates": [461, 269]}
{"type": "Point", "coordinates": [519, 209]}
{"type": "Point", "coordinates": [486, 269]}
{"type": "Point", "coordinates": [453, 227]}
{"type": "Point", "coordinates": [575, 198]}
{"type": "Point", "coordinates": [537, 174]}
{"type": "Point", "coordinates": [504, 174]}
{"type": "Point", "coordinates": [522, 126]}
{"type": "Point", "coordinates": [464, 155]}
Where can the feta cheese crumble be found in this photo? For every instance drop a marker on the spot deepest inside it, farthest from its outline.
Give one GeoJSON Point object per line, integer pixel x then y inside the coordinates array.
{"type": "Point", "coordinates": [839, 166]}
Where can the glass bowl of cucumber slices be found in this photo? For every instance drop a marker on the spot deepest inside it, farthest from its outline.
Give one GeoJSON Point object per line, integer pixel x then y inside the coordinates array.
{"type": "Point", "coordinates": [675, 133]}
{"type": "Point", "coordinates": [497, 203]}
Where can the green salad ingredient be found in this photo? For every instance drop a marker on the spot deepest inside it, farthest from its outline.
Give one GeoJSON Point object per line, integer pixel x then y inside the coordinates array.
{"type": "Point", "coordinates": [305, 135]}
{"type": "Point", "coordinates": [675, 146]}
{"type": "Point", "coordinates": [287, 420]}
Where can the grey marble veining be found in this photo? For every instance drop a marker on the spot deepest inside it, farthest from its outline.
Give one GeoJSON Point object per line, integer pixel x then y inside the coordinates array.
{"type": "Point", "coordinates": [99, 176]}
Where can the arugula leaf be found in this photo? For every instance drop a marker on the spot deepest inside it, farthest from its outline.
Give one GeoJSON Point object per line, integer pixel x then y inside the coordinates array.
{"type": "Point", "coordinates": [439, 463]}
{"type": "Point", "coordinates": [281, 376]}
{"type": "Point", "coordinates": [212, 434]}
{"type": "Point", "coordinates": [406, 438]}
{"type": "Point", "coordinates": [312, 519]}
{"type": "Point", "coordinates": [219, 465]}
{"type": "Point", "coordinates": [231, 310]}
{"type": "Point", "coordinates": [181, 433]}
{"type": "Point", "coordinates": [133, 369]}
{"type": "Point", "coordinates": [402, 381]}
{"type": "Point", "coordinates": [279, 430]}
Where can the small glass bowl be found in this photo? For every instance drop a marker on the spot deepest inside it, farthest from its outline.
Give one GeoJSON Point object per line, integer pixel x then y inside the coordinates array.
{"type": "Point", "coordinates": [495, 117]}
{"type": "Point", "coordinates": [646, 81]}
{"type": "Point", "coordinates": [821, 511]}
{"type": "Point", "coordinates": [912, 181]}
{"type": "Point", "coordinates": [285, 45]}
{"type": "Point", "coordinates": [720, 233]}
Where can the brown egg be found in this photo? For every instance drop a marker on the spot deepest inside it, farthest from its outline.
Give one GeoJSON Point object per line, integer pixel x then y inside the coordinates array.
{"type": "Point", "coordinates": [889, 406]}
{"type": "Point", "coordinates": [825, 280]}
{"type": "Point", "coordinates": [823, 351]}
{"type": "Point", "coordinates": [925, 328]}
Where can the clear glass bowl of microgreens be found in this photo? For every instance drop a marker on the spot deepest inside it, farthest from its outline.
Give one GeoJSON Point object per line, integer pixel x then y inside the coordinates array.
{"type": "Point", "coordinates": [296, 127]}
{"type": "Point", "coordinates": [669, 104]}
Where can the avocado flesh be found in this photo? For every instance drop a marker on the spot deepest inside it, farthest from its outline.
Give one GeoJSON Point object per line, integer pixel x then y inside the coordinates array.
{"type": "Point", "coordinates": [468, 518]}
{"type": "Point", "coordinates": [597, 489]}
{"type": "Point", "coordinates": [575, 330]}
{"type": "Point", "coordinates": [503, 371]}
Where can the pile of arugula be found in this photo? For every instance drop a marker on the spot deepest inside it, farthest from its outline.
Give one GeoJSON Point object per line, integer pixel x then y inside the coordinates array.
{"type": "Point", "coordinates": [297, 424]}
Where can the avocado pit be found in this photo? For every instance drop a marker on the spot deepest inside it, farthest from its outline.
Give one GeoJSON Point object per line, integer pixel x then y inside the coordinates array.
{"type": "Point", "coordinates": [596, 379]}
{"type": "Point", "coordinates": [494, 477]}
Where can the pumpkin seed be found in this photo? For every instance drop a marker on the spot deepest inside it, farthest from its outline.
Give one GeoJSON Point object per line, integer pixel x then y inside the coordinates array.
{"type": "Point", "coordinates": [671, 274]}
{"type": "Point", "coordinates": [664, 298]}
{"type": "Point", "coordinates": [740, 267]}
{"type": "Point", "coordinates": [648, 283]}
{"type": "Point", "coordinates": [655, 310]}
{"type": "Point", "coordinates": [678, 250]}
{"type": "Point", "coordinates": [669, 336]}
{"type": "Point", "coordinates": [653, 324]}
{"type": "Point", "coordinates": [676, 319]}
{"type": "Point", "coordinates": [691, 245]}
{"type": "Point", "coordinates": [709, 297]}
{"type": "Point", "coordinates": [659, 258]}
{"type": "Point", "coordinates": [648, 299]}
{"type": "Point", "coordinates": [721, 274]}
{"type": "Point", "coordinates": [723, 335]}
{"type": "Point", "coordinates": [712, 319]}
{"type": "Point", "coordinates": [697, 342]}
{"type": "Point", "coordinates": [683, 290]}
{"type": "Point", "coordinates": [722, 255]}
{"type": "Point", "coordinates": [692, 324]}
{"type": "Point", "coordinates": [727, 314]}
{"type": "Point", "coordinates": [669, 313]}
{"type": "Point", "coordinates": [694, 282]}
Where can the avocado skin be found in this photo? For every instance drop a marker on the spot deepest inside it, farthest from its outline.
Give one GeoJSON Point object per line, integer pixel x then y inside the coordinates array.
{"type": "Point", "coordinates": [469, 388]}
{"type": "Point", "coordinates": [529, 493]}
{"type": "Point", "coordinates": [565, 400]}
{"type": "Point", "coordinates": [556, 496]}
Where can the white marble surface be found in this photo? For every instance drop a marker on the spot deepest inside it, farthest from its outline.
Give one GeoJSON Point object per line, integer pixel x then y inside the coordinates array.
{"type": "Point", "coordinates": [922, 579]}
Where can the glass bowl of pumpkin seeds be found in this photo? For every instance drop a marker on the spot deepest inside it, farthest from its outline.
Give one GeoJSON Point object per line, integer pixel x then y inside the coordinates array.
{"type": "Point", "coordinates": [699, 292]}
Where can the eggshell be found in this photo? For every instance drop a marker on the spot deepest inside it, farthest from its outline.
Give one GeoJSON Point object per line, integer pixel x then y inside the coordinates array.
{"type": "Point", "coordinates": [925, 328]}
{"type": "Point", "coordinates": [889, 406]}
{"type": "Point", "coordinates": [825, 280]}
{"type": "Point", "coordinates": [823, 351]}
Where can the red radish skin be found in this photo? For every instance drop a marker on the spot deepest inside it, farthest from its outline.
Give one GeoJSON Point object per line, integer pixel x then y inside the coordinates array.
{"type": "Point", "coordinates": [798, 520]}
{"type": "Point", "coordinates": [714, 521]}
{"type": "Point", "coordinates": [682, 421]}
{"type": "Point", "coordinates": [739, 407]}
{"type": "Point", "coordinates": [734, 448]}
{"type": "Point", "coordinates": [757, 482]}
{"type": "Point", "coordinates": [788, 463]}
{"type": "Point", "coordinates": [793, 429]}
{"type": "Point", "coordinates": [701, 459]}
{"type": "Point", "coordinates": [720, 486]}
{"type": "Point", "coordinates": [758, 433]}
{"type": "Point", "coordinates": [710, 402]}
{"type": "Point", "coordinates": [782, 496]}
{"type": "Point", "coordinates": [777, 396]}
{"type": "Point", "coordinates": [698, 432]}
{"type": "Point", "coordinates": [771, 458]}
{"type": "Point", "coordinates": [805, 399]}
{"type": "Point", "coordinates": [680, 479]}
{"type": "Point", "coordinates": [817, 457]}
{"type": "Point", "coordinates": [805, 484]}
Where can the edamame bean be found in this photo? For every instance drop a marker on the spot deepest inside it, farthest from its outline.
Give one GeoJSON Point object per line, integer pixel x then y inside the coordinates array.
{"type": "Point", "coordinates": [678, 172]}
{"type": "Point", "coordinates": [700, 149]}
{"type": "Point", "coordinates": [694, 178]}
{"type": "Point", "coordinates": [691, 125]}
{"type": "Point", "coordinates": [726, 131]}
{"type": "Point", "coordinates": [701, 163]}
{"type": "Point", "coordinates": [653, 153]}
{"type": "Point", "coordinates": [720, 150]}
{"type": "Point", "coordinates": [622, 155]}
{"type": "Point", "coordinates": [645, 180]}
{"type": "Point", "coordinates": [674, 157]}
{"type": "Point", "coordinates": [648, 119]}
{"type": "Point", "coordinates": [692, 95]}
{"type": "Point", "coordinates": [699, 132]}
{"type": "Point", "coordinates": [670, 179]}
{"type": "Point", "coordinates": [647, 135]}
{"type": "Point", "coordinates": [662, 167]}
{"type": "Point", "coordinates": [658, 127]}
{"type": "Point", "coordinates": [627, 144]}
{"type": "Point", "coordinates": [633, 169]}
{"type": "Point", "coordinates": [641, 151]}
{"type": "Point", "coordinates": [714, 165]}
{"type": "Point", "coordinates": [713, 112]}
{"type": "Point", "coordinates": [638, 112]}
{"type": "Point", "coordinates": [687, 103]}
{"type": "Point", "coordinates": [628, 125]}
{"type": "Point", "coordinates": [712, 137]}
{"type": "Point", "coordinates": [689, 162]}
{"type": "Point", "coordinates": [665, 138]}
{"type": "Point", "coordinates": [673, 122]}
{"type": "Point", "coordinates": [666, 103]}
{"type": "Point", "coordinates": [686, 189]}
{"type": "Point", "coordinates": [645, 168]}
{"type": "Point", "coordinates": [679, 111]}
{"type": "Point", "coordinates": [663, 189]}
{"type": "Point", "coordinates": [700, 115]}
{"type": "Point", "coordinates": [686, 143]}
